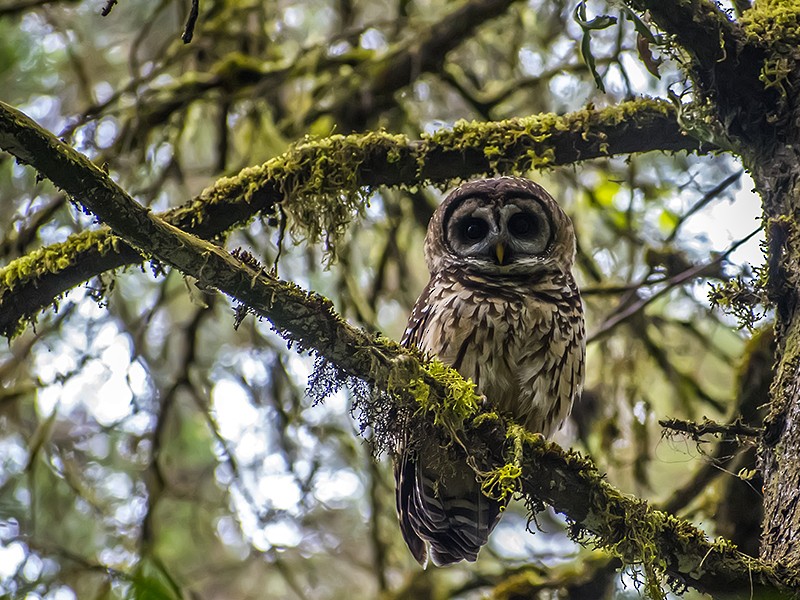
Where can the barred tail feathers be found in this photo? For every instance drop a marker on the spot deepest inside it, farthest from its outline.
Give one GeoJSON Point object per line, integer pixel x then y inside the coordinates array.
{"type": "Point", "coordinates": [446, 512]}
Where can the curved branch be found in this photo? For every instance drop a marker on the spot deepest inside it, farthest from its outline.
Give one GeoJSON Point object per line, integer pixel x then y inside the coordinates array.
{"type": "Point", "coordinates": [311, 178]}
{"type": "Point", "coordinates": [353, 97]}
{"type": "Point", "coordinates": [627, 526]}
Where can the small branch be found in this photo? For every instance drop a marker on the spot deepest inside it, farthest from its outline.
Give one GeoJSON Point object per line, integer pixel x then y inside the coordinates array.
{"type": "Point", "coordinates": [703, 202]}
{"type": "Point", "coordinates": [110, 4]}
{"type": "Point", "coordinates": [697, 430]}
{"type": "Point", "coordinates": [628, 527]}
{"type": "Point", "coordinates": [191, 21]}
{"type": "Point", "coordinates": [626, 312]}
{"type": "Point", "coordinates": [425, 52]}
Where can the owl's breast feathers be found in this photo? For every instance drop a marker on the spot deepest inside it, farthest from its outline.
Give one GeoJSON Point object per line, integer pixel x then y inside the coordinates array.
{"type": "Point", "coordinates": [520, 341]}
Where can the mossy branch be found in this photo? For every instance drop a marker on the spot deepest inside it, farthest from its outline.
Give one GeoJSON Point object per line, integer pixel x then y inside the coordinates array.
{"type": "Point", "coordinates": [700, 27]}
{"type": "Point", "coordinates": [740, 69]}
{"type": "Point", "coordinates": [628, 527]}
{"type": "Point", "coordinates": [323, 183]}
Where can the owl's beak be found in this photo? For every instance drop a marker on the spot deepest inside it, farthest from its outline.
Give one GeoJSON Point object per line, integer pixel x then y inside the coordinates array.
{"type": "Point", "coordinates": [500, 252]}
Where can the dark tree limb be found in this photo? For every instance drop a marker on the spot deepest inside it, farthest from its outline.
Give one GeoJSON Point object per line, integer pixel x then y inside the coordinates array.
{"type": "Point", "coordinates": [425, 53]}
{"type": "Point", "coordinates": [628, 527]}
{"type": "Point", "coordinates": [700, 27]}
{"type": "Point", "coordinates": [708, 427]}
{"type": "Point", "coordinates": [329, 168]}
{"type": "Point", "coordinates": [191, 21]}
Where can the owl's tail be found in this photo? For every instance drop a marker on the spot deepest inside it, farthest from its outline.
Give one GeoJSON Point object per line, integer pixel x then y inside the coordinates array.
{"type": "Point", "coordinates": [446, 511]}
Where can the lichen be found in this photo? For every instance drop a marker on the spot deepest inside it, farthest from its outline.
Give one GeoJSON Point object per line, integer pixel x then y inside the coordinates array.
{"type": "Point", "coordinates": [501, 483]}
{"type": "Point", "coordinates": [744, 298]}
{"type": "Point", "coordinates": [521, 144]}
{"type": "Point", "coordinates": [319, 179]}
{"type": "Point", "coordinates": [460, 401]}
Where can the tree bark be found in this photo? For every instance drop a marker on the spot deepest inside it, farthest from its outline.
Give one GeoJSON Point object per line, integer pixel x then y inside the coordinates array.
{"type": "Point", "coordinates": [778, 180]}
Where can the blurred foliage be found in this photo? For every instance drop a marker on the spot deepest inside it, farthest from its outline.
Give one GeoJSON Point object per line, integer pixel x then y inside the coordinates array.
{"type": "Point", "coordinates": [148, 449]}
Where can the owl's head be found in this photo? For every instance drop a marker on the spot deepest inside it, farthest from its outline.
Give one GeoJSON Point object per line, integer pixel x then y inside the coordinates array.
{"type": "Point", "coordinates": [506, 225]}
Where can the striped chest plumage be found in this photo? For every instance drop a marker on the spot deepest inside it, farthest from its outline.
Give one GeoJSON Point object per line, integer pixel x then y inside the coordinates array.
{"type": "Point", "coordinates": [520, 342]}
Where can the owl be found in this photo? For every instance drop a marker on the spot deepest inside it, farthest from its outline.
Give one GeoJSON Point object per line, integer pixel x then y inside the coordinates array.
{"type": "Point", "coordinates": [502, 308]}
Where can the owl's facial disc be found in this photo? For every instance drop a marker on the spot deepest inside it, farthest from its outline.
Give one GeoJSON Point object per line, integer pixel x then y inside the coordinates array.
{"type": "Point", "coordinates": [499, 232]}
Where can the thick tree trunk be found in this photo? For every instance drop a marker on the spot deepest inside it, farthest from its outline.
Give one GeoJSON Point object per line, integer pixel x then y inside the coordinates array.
{"type": "Point", "coordinates": [778, 180]}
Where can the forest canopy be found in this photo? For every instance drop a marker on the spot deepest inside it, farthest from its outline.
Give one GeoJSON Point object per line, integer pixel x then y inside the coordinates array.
{"type": "Point", "coordinates": [213, 215]}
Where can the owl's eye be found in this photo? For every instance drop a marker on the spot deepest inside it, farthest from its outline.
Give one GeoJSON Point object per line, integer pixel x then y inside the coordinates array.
{"type": "Point", "coordinates": [523, 225]}
{"type": "Point", "coordinates": [474, 229]}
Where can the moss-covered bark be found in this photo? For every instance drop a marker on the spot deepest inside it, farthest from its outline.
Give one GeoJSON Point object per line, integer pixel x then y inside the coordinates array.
{"type": "Point", "coordinates": [747, 75]}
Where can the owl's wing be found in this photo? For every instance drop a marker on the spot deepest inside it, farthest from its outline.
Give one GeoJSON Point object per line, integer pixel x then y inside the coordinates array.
{"type": "Point", "coordinates": [418, 320]}
{"type": "Point", "coordinates": [405, 482]}
{"type": "Point", "coordinates": [404, 465]}
{"type": "Point", "coordinates": [444, 513]}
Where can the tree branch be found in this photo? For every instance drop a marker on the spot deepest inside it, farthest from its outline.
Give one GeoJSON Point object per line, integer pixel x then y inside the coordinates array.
{"type": "Point", "coordinates": [569, 482]}
{"type": "Point", "coordinates": [736, 429]}
{"type": "Point", "coordinates": [725, 64]}
{"type": "Point", "coordinates": [319, 183]}
{"type": "Point", "coordinates": [699, 26]}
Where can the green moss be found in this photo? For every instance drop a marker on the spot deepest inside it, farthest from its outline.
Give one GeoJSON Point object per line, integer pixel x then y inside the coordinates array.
{"type": "Point", "coordinates": [775, 26]}
{"type": "Point", "coordinates": [518, 145]}
{"type": "Point", "coordinates": [460, 401]}
{"type": "Point", "coordinates": [320, 180]}
{"type": "Point", "coordinates": [771, 23]}
{"type": "Point", "coordinates": [54, 258]}
{"type": "Point", "coordinates": [501, 483]}
{"type": "Point", "coordinates": [746, 299]}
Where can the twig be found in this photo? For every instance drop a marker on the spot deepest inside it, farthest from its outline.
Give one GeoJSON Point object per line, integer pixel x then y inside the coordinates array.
{"type": "Point", "coordinates": [107, 8]}
{"type": "Point", "coordinates": [617, 318]}
{"type": "Point", "coordinates": [696, 431]}
{"type": "Point", "coordinates": [703, 202]}
{"type": "Point", "coordinates": [191, 21]}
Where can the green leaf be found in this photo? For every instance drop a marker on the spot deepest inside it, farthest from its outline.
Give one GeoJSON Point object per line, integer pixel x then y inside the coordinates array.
{"type": "Point", "coordinates": [588, 58]}
{"type": "Point", "coordinates": [588, 25]}
{"type": "Point", "coordinates": [641, 27]}
{"type": "Point", "coordinates": [151, 581]}
{"type": "Point", "coordinates": [599, 22]}
{"type": "Point", "coordinates": [667, 220]}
